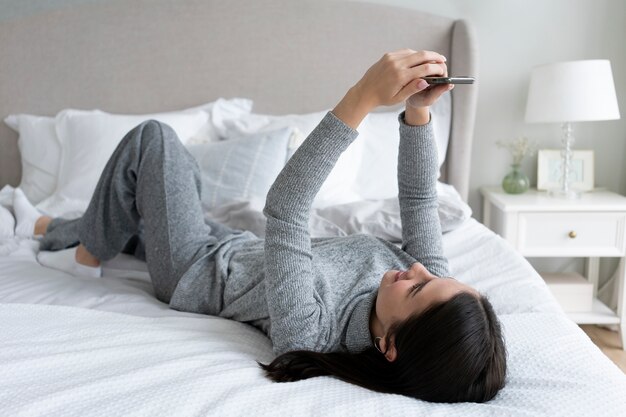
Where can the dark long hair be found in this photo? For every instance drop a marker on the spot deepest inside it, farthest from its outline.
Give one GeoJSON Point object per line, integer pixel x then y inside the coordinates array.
{"type": "Point", "coordinates": [452, 352]}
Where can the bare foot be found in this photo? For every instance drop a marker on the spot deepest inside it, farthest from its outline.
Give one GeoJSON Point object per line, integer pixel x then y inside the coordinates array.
{"type": "Point", "coordinates": [83, 257]}
{"type": "Point", "coordinates": [41, 225]}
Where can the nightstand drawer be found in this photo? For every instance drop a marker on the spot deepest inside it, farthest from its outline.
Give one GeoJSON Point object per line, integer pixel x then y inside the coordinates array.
{"type": "Point", "coordinates": [571, 234]}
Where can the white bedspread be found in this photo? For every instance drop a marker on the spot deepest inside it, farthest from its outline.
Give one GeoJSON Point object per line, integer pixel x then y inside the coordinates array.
{"type": "Point", "coordinates": [71, 361]}
{"type": "Point", "coordinates": [73, 346]}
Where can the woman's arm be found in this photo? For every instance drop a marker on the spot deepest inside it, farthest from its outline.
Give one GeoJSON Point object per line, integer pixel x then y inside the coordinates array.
{"type": "Point", "coordinates": [299, 319]}
{"type": "Point", "coordinates": [297, 314]}
{"type": "Point", "coordinates": [418, 170]}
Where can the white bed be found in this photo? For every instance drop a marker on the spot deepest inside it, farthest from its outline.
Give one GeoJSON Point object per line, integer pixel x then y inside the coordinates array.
{"type": "Point", "coordinates": [78, 346]}
{"type": "Point", "coordinates": [89, 347]}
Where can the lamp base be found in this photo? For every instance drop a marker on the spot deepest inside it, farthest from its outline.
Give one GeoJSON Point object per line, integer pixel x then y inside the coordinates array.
{"type": "Point", "coordinates": [565, 191]}
{"type": "Point", "coordinates": [569, 194]}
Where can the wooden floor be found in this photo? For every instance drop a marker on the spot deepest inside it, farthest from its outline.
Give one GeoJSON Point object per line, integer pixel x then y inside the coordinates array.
{"type": "Point", "coordinates": [608, 342]}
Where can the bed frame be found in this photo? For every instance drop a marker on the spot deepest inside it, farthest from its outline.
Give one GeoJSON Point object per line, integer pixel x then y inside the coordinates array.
{"type": "Point", "coordinates": [141, 56]}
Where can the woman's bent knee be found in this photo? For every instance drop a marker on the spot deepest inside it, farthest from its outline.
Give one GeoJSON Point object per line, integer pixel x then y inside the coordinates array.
{"type": "Point", "coordinates": [149, 133]}
{"type": "Point", "coordinates": [154, 128]}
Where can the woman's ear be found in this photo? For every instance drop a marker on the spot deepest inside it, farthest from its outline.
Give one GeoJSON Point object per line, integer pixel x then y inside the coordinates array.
{"type": "Point", "coordinates": [390, 351]}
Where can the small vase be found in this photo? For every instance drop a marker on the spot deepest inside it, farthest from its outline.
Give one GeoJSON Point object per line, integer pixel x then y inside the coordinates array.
{"type": "Point", "coordinates": [515, 182]}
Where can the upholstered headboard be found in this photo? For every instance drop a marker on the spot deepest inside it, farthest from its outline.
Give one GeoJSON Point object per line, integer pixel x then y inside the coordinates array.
{"type": "Point", "coordinates": [141, 56]}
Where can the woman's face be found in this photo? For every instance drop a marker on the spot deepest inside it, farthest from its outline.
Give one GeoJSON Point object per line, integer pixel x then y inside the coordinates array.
{"type": "Point", "coordinates": [405, 293]}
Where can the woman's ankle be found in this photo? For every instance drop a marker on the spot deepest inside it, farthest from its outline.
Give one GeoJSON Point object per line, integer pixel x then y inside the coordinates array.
{"type": "Point", "coordinates": [41, 225]}
{"type": "Point", "coordinates": [83, 257]}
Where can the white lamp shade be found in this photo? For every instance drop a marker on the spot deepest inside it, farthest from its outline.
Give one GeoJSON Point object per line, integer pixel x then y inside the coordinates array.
{"type": "Point", "coordinates": [573, 91]}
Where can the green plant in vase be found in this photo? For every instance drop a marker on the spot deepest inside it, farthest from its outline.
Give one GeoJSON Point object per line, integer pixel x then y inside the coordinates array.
{"type": "Point", "coordinates": [516, 181]}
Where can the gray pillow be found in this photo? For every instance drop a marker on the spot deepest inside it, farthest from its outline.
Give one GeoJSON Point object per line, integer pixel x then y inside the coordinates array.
{"type": "Point", "coordinates": [241, 168]}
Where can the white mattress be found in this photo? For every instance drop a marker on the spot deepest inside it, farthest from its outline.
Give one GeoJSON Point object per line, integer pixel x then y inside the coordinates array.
{"type": "Point", "coordinates": [75, 346]}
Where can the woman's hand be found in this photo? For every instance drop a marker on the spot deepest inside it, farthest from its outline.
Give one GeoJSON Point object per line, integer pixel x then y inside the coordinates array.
{"type": "Point", "coordinates": [417, 111]}
{"type": "Point", "coordinates": [391, 80]}
{"type": "Point", "coordinates": [427, 96]}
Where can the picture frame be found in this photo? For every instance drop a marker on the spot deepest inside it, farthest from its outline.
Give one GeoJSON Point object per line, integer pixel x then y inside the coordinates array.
{"type": "Point", "coordinates": [549, 169]}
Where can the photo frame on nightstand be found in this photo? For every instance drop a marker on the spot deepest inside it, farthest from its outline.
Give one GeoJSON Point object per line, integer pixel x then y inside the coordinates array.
{"type": "Point", "coordinates": [549, 169]}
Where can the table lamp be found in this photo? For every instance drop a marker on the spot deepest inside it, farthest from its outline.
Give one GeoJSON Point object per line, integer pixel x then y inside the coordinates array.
{"type": "Point", "coordinates": [567, 92]}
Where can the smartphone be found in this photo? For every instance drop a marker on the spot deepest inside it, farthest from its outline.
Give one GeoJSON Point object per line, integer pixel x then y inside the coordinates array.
{"type": "Point", "coordinates": [450, 80]}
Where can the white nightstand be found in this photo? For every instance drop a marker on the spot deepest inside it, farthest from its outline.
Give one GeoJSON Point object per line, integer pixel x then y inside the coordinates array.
{"type": "Point", "coordinates": [593, 226]}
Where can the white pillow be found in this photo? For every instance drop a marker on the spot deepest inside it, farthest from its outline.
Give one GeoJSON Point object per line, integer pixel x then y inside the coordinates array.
{"type": "Point", "coordinates": [248, 215]}
{"type": "Point", "coordinates": [379, 135]}
{"type": "Point", "coordinates": [88, 138]}
{"type": "Point", "coordinates": [368, 168]}
{"type": "Point", "coordinates": [220, 112]}
{"type": "Point", "coordinates": [379, 218]}
{"type": "Point", "coordinates": [40, 148]}
{"type": "Point", "coordinates": [254, 122]}
{"type": "Point", "coordinates": [242, 168]}
{"type": "Point", "coordinates": [339, 186]}
{"type": "Point", "coordinates": [40, 153]}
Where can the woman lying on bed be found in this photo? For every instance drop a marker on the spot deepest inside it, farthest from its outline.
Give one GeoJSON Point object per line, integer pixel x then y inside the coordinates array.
{"type": "Point", "coordinates": [357, 307]}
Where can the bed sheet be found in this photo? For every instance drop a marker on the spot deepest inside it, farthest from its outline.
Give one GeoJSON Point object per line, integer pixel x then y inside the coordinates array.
{"type": "Point", "coordinates": [74, 346]}
{"type": "Point", "coordinates": [477, 256]}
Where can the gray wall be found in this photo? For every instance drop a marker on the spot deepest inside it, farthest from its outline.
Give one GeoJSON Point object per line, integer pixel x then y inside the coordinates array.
{"type": "Point", "coordinates": [514, 36]}
{"type": "Point", "coordinates": [10, 9]}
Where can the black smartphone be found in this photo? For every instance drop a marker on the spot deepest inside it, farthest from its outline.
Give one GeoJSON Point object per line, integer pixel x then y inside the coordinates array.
{"type": "Point", "coordinates": [450, 80]}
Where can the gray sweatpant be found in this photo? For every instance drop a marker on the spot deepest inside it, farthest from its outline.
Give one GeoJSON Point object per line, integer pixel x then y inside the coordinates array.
{"type": "Point", "coordinates": [147, 203]}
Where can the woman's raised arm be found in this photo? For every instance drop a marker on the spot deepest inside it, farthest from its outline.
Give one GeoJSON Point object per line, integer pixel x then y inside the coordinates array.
{"type": "Point", "coordinates": [299, 319]}
{"type": "Point", "coordinates": [418, 169]}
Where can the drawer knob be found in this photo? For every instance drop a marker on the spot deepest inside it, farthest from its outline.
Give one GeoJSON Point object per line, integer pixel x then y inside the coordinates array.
{"type": "Point", "coordinates": [572, 234]}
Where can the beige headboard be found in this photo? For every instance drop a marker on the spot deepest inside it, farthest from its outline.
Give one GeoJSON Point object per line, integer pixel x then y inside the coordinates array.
{"type": "Point", "coordinates": [289, 56]}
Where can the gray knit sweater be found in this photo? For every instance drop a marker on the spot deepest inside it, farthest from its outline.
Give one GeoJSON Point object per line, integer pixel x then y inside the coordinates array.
{"type": "Point", "coordinates": [317, 294]}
